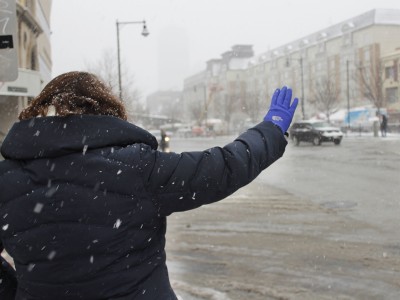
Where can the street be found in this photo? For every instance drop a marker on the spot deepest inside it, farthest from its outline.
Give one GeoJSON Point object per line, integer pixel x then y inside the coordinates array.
{"type": "Point", "coordinates": [321, 223]}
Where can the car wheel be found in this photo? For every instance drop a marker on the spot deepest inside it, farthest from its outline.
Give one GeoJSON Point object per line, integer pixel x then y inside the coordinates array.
{"type": "Point", "coordinates": [296, 141]}
{"type": "Point", "coordinates": [337, 141]}
{"type": "Point", "coordinates": [316, 141]}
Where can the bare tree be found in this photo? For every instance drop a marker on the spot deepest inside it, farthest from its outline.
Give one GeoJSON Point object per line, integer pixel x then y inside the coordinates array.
{"type": "Point", "coordinates": [106, 68]}
{"type": "Point", "coordinates": [197, 104]}
{"type": "Point", "coordinates": [230, 105]}
{"type": "Point", "coordinates": [173, 109]}
{"type": "Point", "coordinates": [326, 96]}
{"type": "Point", "coordinates": [196, 110]}
{"type": "Point", "coordinates": [227, 101]}
{"type": "Point", "coordinates": [370, 78]}
{"type": "Point", "coordinates": [254, 103]}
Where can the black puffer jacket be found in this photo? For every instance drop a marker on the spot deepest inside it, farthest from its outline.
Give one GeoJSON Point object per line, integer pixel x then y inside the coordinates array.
{"type": "Point", "coordinates": [84, 200]}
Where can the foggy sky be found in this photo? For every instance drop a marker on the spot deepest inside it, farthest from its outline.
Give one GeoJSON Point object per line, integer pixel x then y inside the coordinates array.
{"type": "Point", "coordinates": [184, 34]}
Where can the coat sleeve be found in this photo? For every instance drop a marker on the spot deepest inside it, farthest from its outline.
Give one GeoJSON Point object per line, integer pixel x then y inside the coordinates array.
{"type": "Point", "coordinates": [179, 182]}
{"type": "Point", "coordinates": [8, 281]}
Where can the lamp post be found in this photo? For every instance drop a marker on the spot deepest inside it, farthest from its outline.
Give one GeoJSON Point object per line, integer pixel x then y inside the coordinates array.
{"type": "Point", "coordinates": [302, 83]}
{"type": "Point", "coordinates": [302, 89]}
{"type": "Point", "coordinates": [145, 33]}
{"type": "Point", "coordinates": [348, 95]}
{"type": "Point", "coordinates": [205, 107]}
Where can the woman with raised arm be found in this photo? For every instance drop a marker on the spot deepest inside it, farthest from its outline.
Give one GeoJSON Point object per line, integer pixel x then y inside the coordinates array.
{"type": "Point", "coordinates": [85, 194]}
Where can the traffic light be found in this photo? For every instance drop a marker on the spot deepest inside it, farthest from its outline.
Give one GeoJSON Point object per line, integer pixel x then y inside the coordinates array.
{"type": "Point", "coordinates": [8, 41]}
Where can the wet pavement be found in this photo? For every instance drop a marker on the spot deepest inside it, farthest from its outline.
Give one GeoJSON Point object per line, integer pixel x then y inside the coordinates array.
{"type": "Point", "coordinates": [322, 223]}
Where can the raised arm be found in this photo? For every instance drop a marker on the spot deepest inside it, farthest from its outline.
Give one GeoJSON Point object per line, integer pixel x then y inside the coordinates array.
{"type": "Point", "coordinates": [188, 180]}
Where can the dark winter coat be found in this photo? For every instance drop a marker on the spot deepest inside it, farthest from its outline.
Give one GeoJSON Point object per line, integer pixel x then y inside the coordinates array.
{"type": "Point", "coordinates": [84, 200]}
{"type": "Point", "coordinates": [384, 122]}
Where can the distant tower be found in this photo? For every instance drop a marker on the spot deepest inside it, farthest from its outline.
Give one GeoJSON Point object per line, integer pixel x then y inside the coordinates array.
{"type": "Point", "coordinates": [173, 58]}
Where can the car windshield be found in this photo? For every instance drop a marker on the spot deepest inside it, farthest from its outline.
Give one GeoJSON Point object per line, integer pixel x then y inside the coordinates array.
{"type": "Point", "coordinates": [321, 124]}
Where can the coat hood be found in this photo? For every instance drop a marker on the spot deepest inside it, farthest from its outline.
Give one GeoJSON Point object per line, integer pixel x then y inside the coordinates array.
{"type": "Point", "coordinates": [57, 136]}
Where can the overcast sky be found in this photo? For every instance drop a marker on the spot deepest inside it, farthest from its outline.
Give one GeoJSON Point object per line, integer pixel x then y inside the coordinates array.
{"type": "Point", "coordinates": [184, 34]}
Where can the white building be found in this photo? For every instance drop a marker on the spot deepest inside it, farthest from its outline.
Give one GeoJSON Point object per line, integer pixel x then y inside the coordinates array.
{"type": "Point", "coordinates": [34, 60]}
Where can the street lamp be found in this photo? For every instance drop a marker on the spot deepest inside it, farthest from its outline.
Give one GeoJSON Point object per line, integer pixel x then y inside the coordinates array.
{"type": "Point", "coordinates": [145, 33]}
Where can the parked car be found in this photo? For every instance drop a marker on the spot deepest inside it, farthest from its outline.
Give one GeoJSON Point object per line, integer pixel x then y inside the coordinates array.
{"type": "Point", "coordinates": [163, 139]}
{"type": "Point", "coordinates": [315, 132]}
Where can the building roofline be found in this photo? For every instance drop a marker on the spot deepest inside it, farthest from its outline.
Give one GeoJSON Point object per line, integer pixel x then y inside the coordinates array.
{"type": "Point", "coordinates": [378, 16]}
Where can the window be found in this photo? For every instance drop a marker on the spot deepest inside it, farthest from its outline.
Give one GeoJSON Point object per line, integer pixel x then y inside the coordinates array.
{"type": "Point", "coordinates": [392, 95]}
{"type": "Point", "coordinates": [389, 72]}
{"type": "Point", "coordinates": [321, 47]}
{"type": "Point", "coordinates": [347, 39]}
{"type": "Point", "coordinates": [367, 54]}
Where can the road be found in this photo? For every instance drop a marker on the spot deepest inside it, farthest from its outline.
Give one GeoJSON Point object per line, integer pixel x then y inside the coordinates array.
{"type": "Point", "coordinates": [321, 223]}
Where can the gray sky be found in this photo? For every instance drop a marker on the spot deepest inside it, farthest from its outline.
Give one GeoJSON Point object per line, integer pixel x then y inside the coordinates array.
{"type": "Point", "coordinates": [184, 34]}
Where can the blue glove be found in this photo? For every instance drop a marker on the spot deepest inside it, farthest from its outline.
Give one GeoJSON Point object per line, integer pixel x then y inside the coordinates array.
{"type": "Point", "coordinates": [281, 112]}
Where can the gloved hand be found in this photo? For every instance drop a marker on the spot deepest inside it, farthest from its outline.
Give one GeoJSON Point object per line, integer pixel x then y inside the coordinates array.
{"type": "Point", "coordinates": [281, 112]}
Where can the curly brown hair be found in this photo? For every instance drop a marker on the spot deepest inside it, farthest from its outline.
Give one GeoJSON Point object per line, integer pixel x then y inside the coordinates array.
{"type": "Point", "coordinates": [75, 93]}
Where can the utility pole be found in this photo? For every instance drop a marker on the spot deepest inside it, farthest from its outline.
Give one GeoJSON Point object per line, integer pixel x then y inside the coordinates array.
{"type": "Point", "coordinates": [302, 89]}
{"type": "Point", "coordinates": [205, 107]}
{"type": "Point", "coordinates": [348, 95]}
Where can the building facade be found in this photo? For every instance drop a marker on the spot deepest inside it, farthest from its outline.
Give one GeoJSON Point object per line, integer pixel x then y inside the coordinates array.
{"type": "Point", "coordinates": [347, 57]}
{"type": "Point", "coordinates": [34, 60]}
{"type": "Point", "coordinates": [218, 92]}
{"type": "Point", "coordinates": [165, 103]}
{"type": "Point", "coordinates": [354, 62]}
{"type": "Point", "coordinates": [391, 85]}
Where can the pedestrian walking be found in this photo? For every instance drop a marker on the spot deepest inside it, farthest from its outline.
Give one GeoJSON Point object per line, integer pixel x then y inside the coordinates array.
{"type": "Point", "coordinates": [164, 141]}
{"type": "Point", "coordinates": [85, 194]}
{"type": "Point", "coordinates": [384, 122]}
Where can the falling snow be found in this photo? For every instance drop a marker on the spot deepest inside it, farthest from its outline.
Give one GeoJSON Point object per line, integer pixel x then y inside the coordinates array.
{"type": "Point", "coordinates": [51, 192]}
{"type": "Point", "coordinates": [117, 223]}
{"type": "Point", "coordinates": [30, 267]}
{"type": "Point", "coordinates": [38, 208]}
{"type": "Point", "coordinates": [51, 255]}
